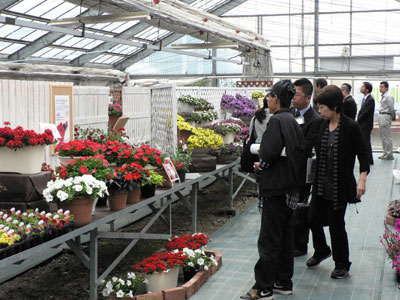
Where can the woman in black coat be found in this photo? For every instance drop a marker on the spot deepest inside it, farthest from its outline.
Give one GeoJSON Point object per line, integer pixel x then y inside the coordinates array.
{"type": "Point", "coordinates": [339, 142]}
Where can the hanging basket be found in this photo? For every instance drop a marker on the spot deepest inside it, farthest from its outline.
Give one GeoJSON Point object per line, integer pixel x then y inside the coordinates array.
{"type": "Point", "coordinates": [134, 196]}
{"type": "Point", "coordinates": [162, 281]}
{"type": "Point", "coordinates": [27, 160]}
{"type": "Point", "coordinates": [117, 199]}
{"type": "Point", "coordinates": [80, 208]}
{"type": "Point", "coordinates": [183, 136]}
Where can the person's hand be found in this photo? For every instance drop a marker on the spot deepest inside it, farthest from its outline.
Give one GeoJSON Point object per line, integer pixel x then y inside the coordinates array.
{"type": "Point", "coordinates": [360, 188]}
{"type": "Point", "coordinates": [257, 166]}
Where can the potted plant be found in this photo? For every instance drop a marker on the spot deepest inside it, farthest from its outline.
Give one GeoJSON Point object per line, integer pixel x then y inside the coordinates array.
{"type": "Point", "coordinates": [196, 261]}
{"type": "Point", "coordinates": [22, 150]}
{"type": "Point", "coordinates": [78, 148]}
{"type": "Point", "coordinates": [188, 103]}
{"type": "Point", "coordinates": [391, 242]}
{"type": "Point", "coordinates": [182, 161]}
{"type": "Point", "coordinates": [161, 270]}
{"type": "Point", "coordinates": [190, 241]}
{"type": "Point", "coordinates": [99, 136]}
{"type": "Point", "coordinates": [202, 140]}
{"type": "Point", "coordinates": [202, 118]}
{"type": "Point", "coordinates": [184, 130]}
{"type": "Point", "coordinates": [393, 211]}
{"type": "Point", "coordinates": [227, 153]}
{"type": "Point", "coordinates": [149, 157]}
{"type": "Point", "coordinates": [227, 130]}
{"type": "Point", "coordinates": [240, 106]}
{"type": "Point", "coordinates": [148, 188]}
{"type": "Point", "coordinates": [76, 194]}
{"type": "Point", "coordinates": [257, 96]}
{"type": "Point", "coordinates": [122, 287]}
{"type": "Point", "coordinates": [125, 179]}
{"type": "Point", "coordinates": [114, 112]}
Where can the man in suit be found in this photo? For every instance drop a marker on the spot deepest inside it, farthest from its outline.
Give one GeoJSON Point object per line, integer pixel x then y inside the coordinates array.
{"type": "Point", "coordinates": [309, 121]}
{"type": "Point", "coordinates": [365, 117]}
{"type": "Point", "coordinates": [349, 104]}
{"type": "Point", "coordinates": [320, 83]}
{"type": "Point", "coordinates": [386, 113]}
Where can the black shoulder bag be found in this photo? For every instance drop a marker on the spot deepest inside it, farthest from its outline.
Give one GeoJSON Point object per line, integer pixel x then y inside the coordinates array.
{"type": "Point", "coordinates": [248, 159]}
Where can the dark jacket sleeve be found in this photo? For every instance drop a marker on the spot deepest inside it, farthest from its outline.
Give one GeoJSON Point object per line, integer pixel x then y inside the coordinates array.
{"type": "Point", "coordinates": [310, 135]}
{"type": "Point", "coordinates": [360, 148]}
{"type": "Point", "coordinates": [272, 142]}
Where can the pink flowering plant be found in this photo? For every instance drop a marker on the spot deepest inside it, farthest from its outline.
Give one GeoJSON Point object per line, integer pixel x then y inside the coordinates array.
{"type": "Point", "coordinates": [391, 242]}
{"type": "Point", "coordinates": [115, 109]}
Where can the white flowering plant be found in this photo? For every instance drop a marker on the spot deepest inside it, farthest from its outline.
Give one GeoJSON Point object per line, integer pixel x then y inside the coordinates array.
{"type": "Point", "coordinates": [198, 260]}
{"type": "Point", "coordinates": [68, 189]}
{"type": "Point", "coordinates": [127, 286]}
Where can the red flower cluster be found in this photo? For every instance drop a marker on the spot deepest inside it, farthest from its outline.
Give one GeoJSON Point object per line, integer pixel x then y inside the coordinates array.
{"type": "Point", "coordinates": [178, 164]}
{"type": "Point", "coordinates": [96, 166]}
{"type": "Point", "coordinates": [147, 155]}
{"type": "Point", "coordinates": [192, 242]}
{"type": "Point", "coordinates": [116, 152]}
{"type": "Point", "coordinates": [160, 261]}
{"type": "Point", "coordinates": [79, 148]}
{"type": "Point", "coordinates": [129, 176]}
{"type": "Point", "coordinates": [19, 137]}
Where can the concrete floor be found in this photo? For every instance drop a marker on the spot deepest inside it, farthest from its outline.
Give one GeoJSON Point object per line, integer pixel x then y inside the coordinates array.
{"type": "Point", "coordinates": [371, 275]}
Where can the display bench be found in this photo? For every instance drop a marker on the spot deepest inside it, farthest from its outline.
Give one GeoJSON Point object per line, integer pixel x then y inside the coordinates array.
{"type": "Point", "coordinates": [105, 223]}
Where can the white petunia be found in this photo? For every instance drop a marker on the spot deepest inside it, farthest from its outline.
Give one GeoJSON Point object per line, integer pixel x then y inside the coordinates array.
{"type": "Point", "coordinates": [131, 275]}
{"type": "Point", "coordinates": [200, 261]}
{"type": "Point", "coordinates": [190, 264]}
{"type": "Point", "coordinates": [77, 188]}
{"type": "Point", "coordinates": [120, 294]}
{"type": "Point", "coordinates": [130, 294]}
{"type": "Point", "coordinates": [89, 190]}
{"type": "Point", "coordinates": [206, 268]}
{"type": "Point", "coordinates": [128, 283]}
{"type": "Point", "coordinates": [60, 211]}
{"type": "Point", "coordinates": [109, 285]}
{"type": "Point", "coordinates": [121, 281]}
{"type": "Point", "coordinates": [114, 279]}
{"type": "Point", "coordinates": [105, 293]}
{"type": "Point", "coordinates": [62, 195]}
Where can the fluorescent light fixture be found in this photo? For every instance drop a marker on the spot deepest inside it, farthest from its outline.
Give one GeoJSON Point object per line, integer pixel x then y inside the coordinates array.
{"type": "Point", "coordinates": [101, 19]}
{"type": "Point", "coordinates": [204, 46]}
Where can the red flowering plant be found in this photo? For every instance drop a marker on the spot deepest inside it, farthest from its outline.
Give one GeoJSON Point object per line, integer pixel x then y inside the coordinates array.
{"type": "Point", "coordinates": [100, 136]}
{"type": "Point", "coordinates": [118, 153]}
{"type": "Point", "coordinates": [193, 242]}
{"type": "Point", "coordinates": [147, 155]}
{"type": "Point", "coordinates": [79, 148]}
{"type": "Point", "coordinates": [160, 262]}
{"type": "Point", "coordinates": [129, 176]}
{"type": "Point", "coordinates": [19, 137]}
{"type": "Point", "coordinates": [95, 165]}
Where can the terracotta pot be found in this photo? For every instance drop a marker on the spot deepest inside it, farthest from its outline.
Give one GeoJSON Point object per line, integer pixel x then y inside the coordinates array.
{"type": "Point", "coordinates": [134, 195]}
{"type": "Point", "coordinates": [148, 190]}
{"type": "Point", "coordinates": [117, 199]}
{"type": "Point", "coordinates": [112, 120]}
{"type": "Point", "coordinates": [390, 220]}
{"type": "Point", "coordinates": [80, 208]}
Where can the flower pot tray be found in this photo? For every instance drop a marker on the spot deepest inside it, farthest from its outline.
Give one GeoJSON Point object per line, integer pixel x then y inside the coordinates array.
{"type": "Point", "coordinates": [188, 289]}
{"type": "Point", "coordinates": [390, 220]}
{"type": "Point", "coordinates": [203, 164]}
{"type": "Point", "coordinates": [34, 241]}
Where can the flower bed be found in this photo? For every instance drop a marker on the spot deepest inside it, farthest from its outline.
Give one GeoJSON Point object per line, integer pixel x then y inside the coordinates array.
{"type": "Point", "coordinates": [193, 242]}
{"type": "Point", "coordinates": [204, 138]}
{"type": "Point", "coordinates": [21, 230]}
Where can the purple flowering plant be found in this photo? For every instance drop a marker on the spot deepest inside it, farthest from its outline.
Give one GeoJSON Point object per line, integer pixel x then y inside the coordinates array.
{"type": "Point", "coordinates": [233, 148]}
{"type": "Point", "coordinates": [243, 134]}
{"type": "Point", "coordinates": [243, 106]}
{"type": "Point", "coordinates": [224, 128]}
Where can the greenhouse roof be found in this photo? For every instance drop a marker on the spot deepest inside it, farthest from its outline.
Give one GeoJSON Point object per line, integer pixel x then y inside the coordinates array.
{"type": "Point", "coordinates": [27, 36]}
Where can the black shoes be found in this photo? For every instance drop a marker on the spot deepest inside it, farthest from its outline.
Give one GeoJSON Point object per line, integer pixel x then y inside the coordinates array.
{"type": "Point", "coordinates": [255, 294]}
{"type": "Point", "coordinates": [315, 260]}
{"type": "Point", "coordinates": [341, 270]}
{"type": "Point", "coordinates": [281, 289]}
{"type": "Point", "coordinates": [297, 252]}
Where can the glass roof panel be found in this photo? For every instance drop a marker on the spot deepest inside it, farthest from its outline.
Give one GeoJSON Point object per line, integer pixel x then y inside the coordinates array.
{"type": "Point", "coordinates": [51, 53]}
{"type": "Point", "coordinates": [44, 7]}
{"type": "Point", "coordinates": [73, 12]}
{"type": "Point", "coordinates": [7, 29]}
{"type": "Point", "coordinates": [63, 54]}
{"type": "Point", "coordinates": [24, 6]}
{"type": "Point", "coordinates": [125, 26]}
{"type": "Point", "coordinates": [74, 55]}
{"type": "Point", "coordinates": [62, 39]}
{"type": "Point", "coordinates": [4, 44]}
{"type": "Point", "coordinates": [111, 60]}
{"type": "Point", "coordinates": [41, 52]}
{"type": "Point", "coordinates": [12, 48]}
{"type": "Point", "coordinates": [112, 26]}
{"type": "Point", "coordinates": [35, 35]}
{"type": "Point", "coordinates": [20, 33]}
{"type": "Point", "coordinates": [58, 11]}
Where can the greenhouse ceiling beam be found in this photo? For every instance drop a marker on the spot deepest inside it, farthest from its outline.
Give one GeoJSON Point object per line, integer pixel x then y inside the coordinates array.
{"type": "Point", "coordinates": [129, 33]}
{"type": "Point", "coordinates": [11, 21]}
{"type": "Point", "coordinates": [138, 56]}
{"type": "Point", "coordinates": [6, 3]}
{"type": "Point", "coordinates": [45, 40]}
{"type": "Point", "coordinates": [338, 44]}
{"type": "Point", "coordinates": [312, 13]}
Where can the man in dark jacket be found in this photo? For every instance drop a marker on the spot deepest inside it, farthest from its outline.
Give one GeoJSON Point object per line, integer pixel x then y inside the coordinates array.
{"type": "Point", "coordinates": [349, 104]}
{"type": "Point", "coordinates": [366, 117]}
{"type": "Point", "coordinates": [309, 121]}
{"type": "Point", "coordinates": [281, 154]}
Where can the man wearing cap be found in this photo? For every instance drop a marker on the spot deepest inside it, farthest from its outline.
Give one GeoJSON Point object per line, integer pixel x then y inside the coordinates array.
{"type": "Point", "coordinates": [281, 153]}
{"type": "Point", "coordinates": [386, 114]}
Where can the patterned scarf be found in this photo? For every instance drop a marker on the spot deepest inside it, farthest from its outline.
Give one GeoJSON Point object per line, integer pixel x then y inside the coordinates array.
{"type": "Point", "coordinates": [321, 171]}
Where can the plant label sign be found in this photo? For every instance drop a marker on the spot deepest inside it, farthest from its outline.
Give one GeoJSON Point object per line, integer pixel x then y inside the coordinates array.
{"type": "Point", "coordinates": [170, 170]}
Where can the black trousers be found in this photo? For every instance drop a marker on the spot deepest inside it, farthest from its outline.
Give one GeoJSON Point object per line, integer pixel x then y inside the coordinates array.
{"type": "Point", "coordinates": [322, 214]}
{"type": "Point", "coordinates": [366, 133]}
{"type": "Point", "coordinates": [302, 229]}
{"type": "Point", "coordinates": [275, 244]}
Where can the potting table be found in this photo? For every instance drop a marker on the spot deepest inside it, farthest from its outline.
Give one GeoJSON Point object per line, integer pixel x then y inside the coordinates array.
{"type": "Point", "coordinates": [105, 224]}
